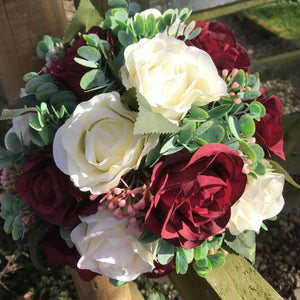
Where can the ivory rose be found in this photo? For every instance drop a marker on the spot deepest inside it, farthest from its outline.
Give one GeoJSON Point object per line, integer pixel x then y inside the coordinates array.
{"type": "Point", "coordinates": [106, 248]}
{"type": "Point", "coordinates": [171, 75]}
{"type": "Point", "coordinates": [261, 200]}
{"type": "Point", "coordinates": [96, 145]}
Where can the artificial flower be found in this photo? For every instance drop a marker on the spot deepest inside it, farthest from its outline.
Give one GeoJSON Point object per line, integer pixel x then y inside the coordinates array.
{"type": "Point", "coordinates": [220, 43]}
{"type": "Point", "coordinates": [269, 131]}
{"type": "Point", "coordinates": [69, 72]}
{"type": "Point", "coordinates": [96, 145]}
{"type": "Point", "coordinates": [193, 194]}
{"type": "Point", "coordinates": [107, 248]}
{"type": "Point", "coordinates": [50, 193]}
{"type": "Point", "coordinates": [261, 200]}
{"type": "Point", "coordinates": [181, 75]}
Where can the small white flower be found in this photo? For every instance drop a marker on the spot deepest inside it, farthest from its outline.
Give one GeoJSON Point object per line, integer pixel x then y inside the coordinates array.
{"type": "Point", "coordinates": [171, 75]}
{"type": "Point", "coordinates": [262, 199]}
{"type": "Point", "coordinates": [106, 248]}
{"type": "Point", "coordinates": [96, 145]}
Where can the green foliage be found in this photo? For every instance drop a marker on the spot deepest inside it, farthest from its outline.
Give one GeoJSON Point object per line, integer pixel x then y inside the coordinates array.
{"type": "Point", "coordinates": [165, 252]}
{"type": "Point", "coordinates": [148, 237]}
{"type": "Point", "coordinates": [65, 233]}
{"type": "Point", "coordinates": [116, 283]}
{"type": "Point", "coordinates": [12, 207]}
{"type": "Point", "coordinates": [243, 244]}
{"type": "Point", "coordinates": [85, 17]}
{"type": "Point", "coordinates": [46, 46]}
{"type": "Point", "coordinates": [149, 121]}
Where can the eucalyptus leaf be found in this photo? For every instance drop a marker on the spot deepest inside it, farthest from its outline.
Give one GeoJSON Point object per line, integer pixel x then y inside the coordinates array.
{"type": "Point", "coordinates": [33, 83]}
{"type": "Point", "coordinates": [45, 91]}
{"type": "Point", "coordinates": [148, 237]}
{"type": "Point", "coordinates": [181, 262]}
{"type": "Point", "coordinates": [243, 244]}
{"type": "Point", "coordinates": [125, 38]}
{"type": "Point", "coordinates": [201, 251]}
{"type": "Point", "coordinates": [13, 143]}
{"type": "Point", "coordinates": [139, 25]}
{"type": "Point", "coordinates": [92, 79]}
{"type": "Point", "coordinates": [234, 127]}
{"type": "Point", "coordinates": [247, 150]}
{"type": "Point", "coordinates": [166, 252]}
{"type": "Point", "coordinates": [86, 63]}
{"type": "Point", "coordinates": [215, 134]}
{"type": "Point", "coordinates": [219, 111]}
{"type": "Point", "coordinates": [247, 125]}
{"type": "Point", "coordinates": [89, 53]}
{"type": "Point", "coordinates": [30, 75]}
{"type": "Point", "coordinates": [116, 283]}
{"type": "Point", "coordinates": [216, 260]}
{"type": "Point", "coordinates": [201, 271]}
{"type": "Point", "coordinates": [194, 33]}
{"type": "Point", "coordinates": [250, 95]}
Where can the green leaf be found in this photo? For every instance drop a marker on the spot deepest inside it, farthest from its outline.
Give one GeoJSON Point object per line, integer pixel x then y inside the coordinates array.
{"type": "Point", "coordinates": [86, 63]}
{"type": "Point", "coordinates": [216, 260]}
{"type": "Point", "coordinates": [34, 122]}
{"type": "Point", "coordinates": [189, 28]}
{"type": "Point", "coordinates": [151, 122]}
{"type": "Point", "coordinates": [13, 143]}
{"type": "Point", "coordinates": [116, 283]}
{"type": "Point", "coordinates": [32, 85]}
{"type": "Point", "coordinates": [165, 252]}
{"type": "Point", "coordinates": [279, 169]}
{"type": "Point", "coordinates": [85, 17]}
{"type": "Point", "coordinates": [89, 53]}
{"type": "Point", "coordinates": [45, 91]}
{"type": "Point", "coordinates": [66, 98]}
{"type": "Point", "coordinates": [189, 253]}
{"type": "Point", "coordinates": [186, 133]}
{"type": "Point", "coordinates": [181, 262]}
{"type": "Point", "coordinates": [65, 233]}
{"type": "Point", "coordinates": [148, 237]}
{"type": "Point", "coordinates": [195, 33]}
{"type": "Point", "coordinates": [161, 26]}
{"type": "Point", "coordinates": [215, 134]}
{"type": "Point", "coordinates": [256, 108]}
{"type": "Point", "coordinates": [247, 150]}
{"type": "Point", "coordinates": [243, 244]}
{"type": "Point", "coordinates": [125, 38]}
{"type": "Point", "coordinates": [201, 251]}
{"type": "Point", "coordinates": [92, 79]}
{"type": "Point", "coordinates": [204, 127]}
{"type": "Point", "coordinates": [234, 127]}
{"type": "Point", "coordinates": [197, 114]}
{"type": "Point", "coordinates": [30, 75]}
{"type": "Point", "coordinates": [133, 8]}
{"type": "Point", "coordinates": [35, 137]}
{"type": "Point", "coordinates": [201, 263]}
{"type": "Point", "coordinates": [219, 111]}
{"type": "Point", "coordinates": [258, 150]}
{"type": "Point", "coordinates": [239, 78]}
{"type": "Point", "coordinates": [129, 97]}
{"type": "Point", "coordinates": [171, 146]}
{"type": "Point", "coordinates": [151, 23]}
{"type": "Point", "coordinates": [201, 271]}
{"type": "Point", "coordinates": [154, 154]}
{"type": "Point", "coordinates": [139, 25]}
{"type": "Point", "coordinates": [250, 95]}
{"type": "Point", "coordinates": [169, 17]}
{"type": "Point", "coordinates": [247, 125]}
{"type": "Point", "coordinates": [184, 14]}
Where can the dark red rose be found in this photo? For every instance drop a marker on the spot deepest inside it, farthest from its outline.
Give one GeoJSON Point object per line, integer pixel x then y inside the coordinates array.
{"type": "Point", "coordinates": [220, 43]}
{"type": "Point", "coordinates": [269, 131]}
{"type": "Point", "coordinates": [50, 192]}
{"type": "Point", "coordinates": [161, 270]}
{"type": "Point", "coordinates": [70, 72]}
{"type": "Point", "coordinates": [57, 251]}
{"type": "Point", "coordinates": [193, 194]}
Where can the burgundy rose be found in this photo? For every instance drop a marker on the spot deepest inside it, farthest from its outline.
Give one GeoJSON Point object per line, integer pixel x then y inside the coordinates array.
{"type": "Point", "coordinates": [269, 131]}
{"type": "Point", "coordinates": [193, 194]}
{"type": "Point", "coordinates": [57, 251]}
{"type": "Point", "coordinates": [70, 72]}
{"type": "Point", "coordinates": [50, 192]}
{"type": "Point", "coordinates": [220, 43]}
{"type": "Point", "coordinates": [161, 270]}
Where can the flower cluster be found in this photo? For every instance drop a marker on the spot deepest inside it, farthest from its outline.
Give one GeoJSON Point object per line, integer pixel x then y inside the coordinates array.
{"type": "Point", "coordinates": [141, 146]}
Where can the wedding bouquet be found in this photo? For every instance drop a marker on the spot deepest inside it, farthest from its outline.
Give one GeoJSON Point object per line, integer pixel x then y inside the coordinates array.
{"type": "Point", "coordinates": [142, 146]}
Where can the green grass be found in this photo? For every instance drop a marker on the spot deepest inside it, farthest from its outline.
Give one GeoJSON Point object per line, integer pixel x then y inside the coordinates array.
{"type": "Point", "coordinates": [282, 17]}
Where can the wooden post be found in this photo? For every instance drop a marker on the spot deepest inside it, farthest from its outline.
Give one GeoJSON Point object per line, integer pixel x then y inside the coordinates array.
{"type": "Point", "coordinates": [237, 280]}
{"type": "Point", "coordinates": [101, 289]}
{"type": "Point", "coordinates": [23, 24]}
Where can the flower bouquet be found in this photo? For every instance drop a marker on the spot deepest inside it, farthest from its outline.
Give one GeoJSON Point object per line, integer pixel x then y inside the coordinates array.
{"type": "Point", "coordinates": [141, 147]}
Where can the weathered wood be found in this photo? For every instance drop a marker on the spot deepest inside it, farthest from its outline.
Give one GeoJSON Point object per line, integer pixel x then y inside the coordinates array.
{"type": "Point", "coordinates": [216, 12]}
{"type": "Point", "coordinates": [23, 24]}
{"type": "Point", "coordinates": [279, 66]}
{"type": "Point", "coordinates": [236, 280]}
{"type": "Point", "coordinates": [101, 289]}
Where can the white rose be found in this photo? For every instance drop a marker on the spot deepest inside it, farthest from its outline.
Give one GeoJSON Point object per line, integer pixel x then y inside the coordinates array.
{"type": "Point", "coordinates": [96, 145]}
{"type": "Point", "coordinates": [106, 248]}
{"type": "Point", "coordinates": [20, 125]}
{"type": "Point", "coordinates": [262, 199]}
{"type": "Point", "coordinates": [156, 13]}
{"type": "Point", "coordinates": [171, 75]}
